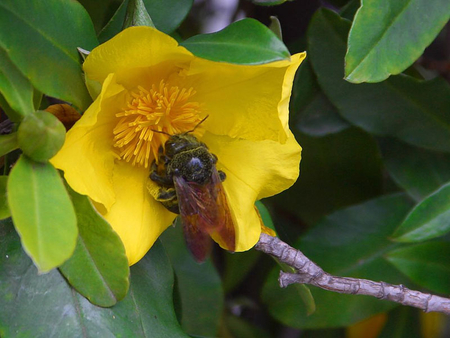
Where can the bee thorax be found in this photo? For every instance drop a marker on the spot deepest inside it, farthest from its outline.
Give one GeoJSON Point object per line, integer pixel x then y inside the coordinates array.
{"type": "Point", "coordinates": [194, 165]}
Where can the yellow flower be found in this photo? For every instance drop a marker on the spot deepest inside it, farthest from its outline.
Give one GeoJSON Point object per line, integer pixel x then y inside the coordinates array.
{"type": "Point", "coordinates": [151, 83]}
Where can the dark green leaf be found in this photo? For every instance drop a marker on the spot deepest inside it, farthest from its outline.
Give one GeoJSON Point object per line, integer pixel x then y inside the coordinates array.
{"type": "Point", "coordinates": [350, 242]}
{"type": "Point", "coordinates": [315, 114]}
{"type": "Point", "coordinates": [4, 209]}
{"type": "Point", "coordinates": [238, 327]}
{"type": "Point", "coordinates": [337, 170]}
{"type": "Point", "coordinates": [41, 39]}
{"type": "Point", "coordinates": [425, 263]}
{"type": "Point", "coordinates": [386, 38]}
{"type": "Point", "coordinates": [416, 170]}
{"type": "Point", "coordinates": [15, 87]}
{"type": "Point", "coordinates": [8, 143]}
{"type": "Point", "coordinates": [238, 265]}
{"type": "Point", "coordinates": [42, 213]}
{"type": "Point", "coordinates": [244, 42]}
{"type": "Point", "coordinates": [429, 219]}
{"type": "Point", "coordinates": [403, 322]}
{"type": "Point", "coordinates": [162, 13]}
{"type": "Point", "coordinates": [98, 269]}
{"type": "Point", "coordinates": [268, 2]}
{"type": "Point", "coordinates": [399, 107]}
{"type": "Point", "coordinates": [137, 15]}
{"type": "Point", "coordinates": [199, 287]}
{"type": "Point", "coordinates": [44, 306]}
{"type": "Point", "coordinates": [349, 10]}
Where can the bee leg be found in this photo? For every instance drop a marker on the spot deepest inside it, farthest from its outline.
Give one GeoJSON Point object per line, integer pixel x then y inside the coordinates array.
{"type": "Point", "coordinates": [222, 175]}
{"type": "Point", "coordinates": [168, 198]}
{"type": "Point", "coordinates": [162, 180]}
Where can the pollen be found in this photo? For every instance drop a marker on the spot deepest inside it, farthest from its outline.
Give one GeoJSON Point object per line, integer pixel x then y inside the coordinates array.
{"type": "Point", "coordinates": [150, 117]}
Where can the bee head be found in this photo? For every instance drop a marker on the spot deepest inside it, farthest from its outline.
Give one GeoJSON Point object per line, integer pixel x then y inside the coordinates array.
{"type": "Point", "coordinates": [179, 143]}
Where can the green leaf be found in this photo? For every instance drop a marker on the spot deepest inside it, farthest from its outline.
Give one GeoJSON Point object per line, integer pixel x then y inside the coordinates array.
{"type": "Point", "coordinates": [44, 306]}
{"type": "Point", "coordinates": [350, 242]}
{"type": "Point", "coordinates": [4, 209]}
{"type": "Point", "coordinates": [429, 219]}
{"type": "Point", "coordinates": [50, 31]}
{"type": "Point", "coordinates": [403, 322]}
{"type": "Point", "coordinates": [275, 27]}
{"type": "Point", "coordinates": [416, 170]}
{"type": "Point", "coordinates": [42, 213]}
{"type": "Point", "coordinates": [98, 269]}
{"type": "Point", "coordinates": [237, 267]}
{"type": "Point", "coordinates": [425, 263]}
{"type": "Point", "coordinates": [15, 87]}
{"type": "Point", "coordinates": [346, 164]}
{"type": "Point", "coordinates": [239, 327]}
{"type": "Point", "coordinates": [199, 286]}
{"type": "Point", "coordinates": [162, 13]}
{"type": "Point", "coordinates": [265, 215]}
{"type": "Point", "coordinates": [388, 36]}
{"type": "Point", "coordinates": [398, 107]}
{"type": "Point", "coordinates": [269, 2]}
{"type": "Point", "coordinates": [314, 115]}
{"type": "Point", "coordinates": [137, 15]}
{"type": "Point", "coordinates": [8, 143]}
{"type": "Point", "coordinates": [244, 42]}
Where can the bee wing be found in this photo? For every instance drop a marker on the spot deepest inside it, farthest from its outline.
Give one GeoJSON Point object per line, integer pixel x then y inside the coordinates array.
{"type": "Point", "coordinates": [205, 212]}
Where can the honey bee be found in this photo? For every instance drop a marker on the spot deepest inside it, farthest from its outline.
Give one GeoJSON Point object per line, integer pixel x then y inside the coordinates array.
{"type": "Point", "coordinates": [191, 185]}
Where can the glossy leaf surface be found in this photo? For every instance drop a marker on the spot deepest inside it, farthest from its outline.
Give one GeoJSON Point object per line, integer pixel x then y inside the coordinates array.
{"type": "Point", "coordinates": [388, 36]}
{"type": "Point", "coordinates": [29, 28]}
{"type": "Point", "coordinates": [244, 42]}
{"type": "Point", "coordinates": [398, 107]}
{"type": "Point", "coordinates": [350, 242]}
{"type": "Point", "coordinates": [42, 213]}
{"type": "Point", "coordinates": [29, 309]}
{"type": "Point", "coordinates": [429, 219]}
{"type": "Point", "coordinates": [418, 171]}
{"type": "Point", "coordinates": [425, 263]}
{"type": "Point", "coordinates": [314, 114]}
{"type": "Point", "coordinates": [346, 163]}
{"type": "Point", "coordinates": [199, 287]}
{"type": "Point", "coordinates": [98, 269]}
{"type": "Point", "coordinates": [15, 87]}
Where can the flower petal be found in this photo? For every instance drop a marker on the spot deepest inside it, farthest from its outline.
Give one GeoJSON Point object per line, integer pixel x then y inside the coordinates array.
{"type": "Point", "coordinates": [254, 169]}
{"type": "Point", "coordinates": [243, 101]}
{"type": "Point", "coordinates": [87, 156]}
{"type": "Point", "coordinates": [135, 47]}
{"type": "Point", "coordinates": [136, 217]}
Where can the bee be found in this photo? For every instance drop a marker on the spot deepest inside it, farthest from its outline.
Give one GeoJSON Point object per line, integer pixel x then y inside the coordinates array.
{"type": "Point", "coordinates": [190, 185]}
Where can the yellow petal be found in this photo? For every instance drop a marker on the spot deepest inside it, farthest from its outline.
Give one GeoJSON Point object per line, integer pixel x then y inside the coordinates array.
{"type": "Point", "coordinates": [87, 156]}
{"type": "Point", "coordinates": [254, 169]}
{"type": "Point", "coordinates": [250, 102]}
{"type": "Point", "coordinates": [136, 217]}
{"type": "Point", "coordinates": [133, 48]}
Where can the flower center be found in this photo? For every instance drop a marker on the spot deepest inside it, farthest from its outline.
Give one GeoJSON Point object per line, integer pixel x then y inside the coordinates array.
{"type": "Point", "coordinates": [150, 117]}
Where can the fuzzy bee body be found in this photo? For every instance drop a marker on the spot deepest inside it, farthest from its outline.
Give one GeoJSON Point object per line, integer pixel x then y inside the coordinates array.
{"type": "Point", "coordinates": [191, 186]}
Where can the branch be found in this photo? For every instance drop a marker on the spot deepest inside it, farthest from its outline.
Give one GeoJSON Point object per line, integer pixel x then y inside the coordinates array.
{"type": "Point", "coordinates": [309, 272]}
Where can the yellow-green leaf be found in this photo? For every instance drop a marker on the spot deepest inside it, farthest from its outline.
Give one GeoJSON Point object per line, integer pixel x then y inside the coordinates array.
{"type": "Point", "coordinates": [42, 213]}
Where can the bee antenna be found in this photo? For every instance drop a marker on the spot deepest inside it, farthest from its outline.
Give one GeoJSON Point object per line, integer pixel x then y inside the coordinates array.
{"type": "Point", "coordinates": [192, 130]}
{"type": "Point", "coordinates": [161, 132]}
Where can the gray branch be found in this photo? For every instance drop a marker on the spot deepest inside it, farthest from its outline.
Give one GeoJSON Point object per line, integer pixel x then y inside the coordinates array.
{"type": "Point", "coordinates": [309, 272]}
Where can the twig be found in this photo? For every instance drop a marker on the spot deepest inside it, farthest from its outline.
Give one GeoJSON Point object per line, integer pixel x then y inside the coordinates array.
{"type": "Point", "coordinates": [309, 272]}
